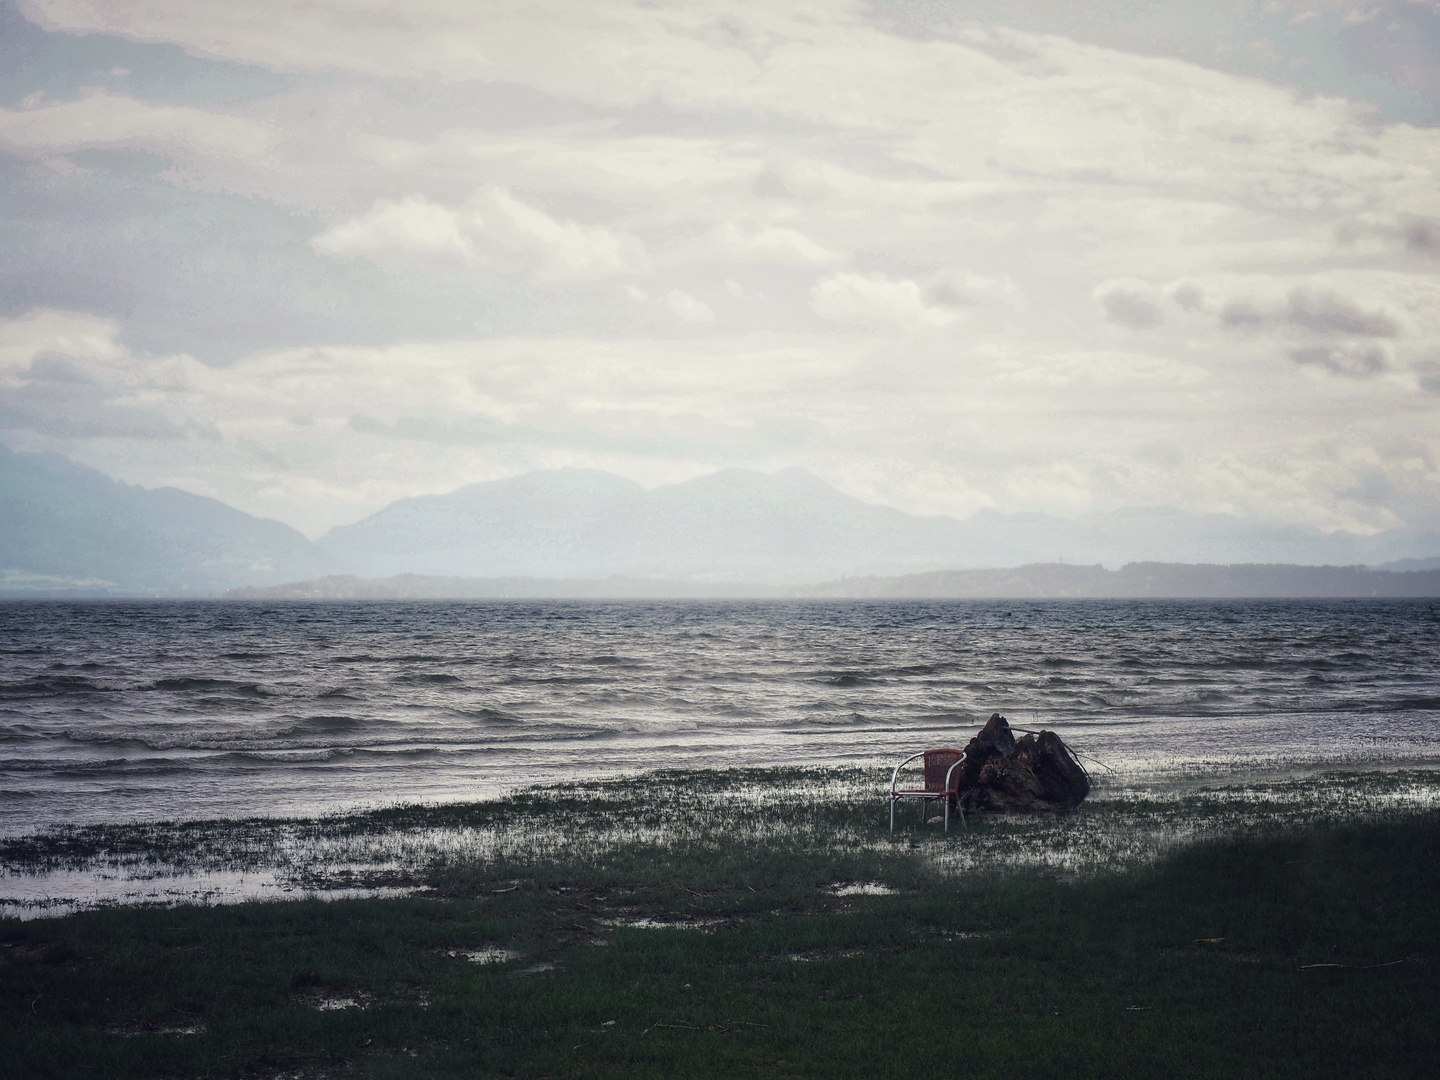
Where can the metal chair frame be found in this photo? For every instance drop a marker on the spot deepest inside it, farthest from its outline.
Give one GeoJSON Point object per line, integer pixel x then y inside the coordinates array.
{"type": "Point", "coordinates": [934, 787]}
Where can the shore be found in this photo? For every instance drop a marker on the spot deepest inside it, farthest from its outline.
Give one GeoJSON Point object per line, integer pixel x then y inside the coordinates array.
{"type": "Point", "coordinates": [755, 921]}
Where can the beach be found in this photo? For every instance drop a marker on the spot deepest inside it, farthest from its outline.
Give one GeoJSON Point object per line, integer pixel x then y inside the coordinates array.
{"type": "Point", "coordinates": [728, 922]}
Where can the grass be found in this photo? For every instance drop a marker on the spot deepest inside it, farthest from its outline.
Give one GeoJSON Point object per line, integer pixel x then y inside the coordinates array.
{"type": "Point", "coordinates": [700, 925]}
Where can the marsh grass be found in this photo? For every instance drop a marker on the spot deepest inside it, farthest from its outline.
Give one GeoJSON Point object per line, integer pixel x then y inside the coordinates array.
{"type": "Point", "coordinates": [766, 922]}
{"type": "Point", "coordinates": [1126, 823]}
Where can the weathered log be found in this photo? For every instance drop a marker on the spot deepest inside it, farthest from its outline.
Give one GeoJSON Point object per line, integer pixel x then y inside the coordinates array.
{"type": "Point", "coordinates": [1034, 772]}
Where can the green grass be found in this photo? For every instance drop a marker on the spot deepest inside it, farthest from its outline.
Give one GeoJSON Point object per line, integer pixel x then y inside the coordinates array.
{"type": "Point", "coordinates": [1196, 962]}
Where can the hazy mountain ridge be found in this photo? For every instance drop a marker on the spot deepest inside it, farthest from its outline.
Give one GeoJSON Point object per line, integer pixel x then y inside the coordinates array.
{"type": "Point", "coordinates": [65, 528]}
{"type": "Point", "coordinates": [1142, 580]}
{"type": "Point", "coordinates": [429, 587]}
{"type": "Point", "coordinates": [1041, 581]}
{"type": "Point", "coordinates": [734, 524]}
{"type": "Point", "coordinates": [783, 528]}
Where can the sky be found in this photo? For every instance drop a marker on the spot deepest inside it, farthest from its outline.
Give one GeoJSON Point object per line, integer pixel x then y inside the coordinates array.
{"type": "Point", "coordinates": [311, 257]}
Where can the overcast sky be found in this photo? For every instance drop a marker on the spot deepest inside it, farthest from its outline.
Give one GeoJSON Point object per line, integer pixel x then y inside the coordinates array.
{"type": "Point", "coordinates": [310, 257]}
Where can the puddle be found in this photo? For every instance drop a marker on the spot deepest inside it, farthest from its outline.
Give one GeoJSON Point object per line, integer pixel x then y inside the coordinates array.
{"type": "Point", "coordinates": [494, 954]}
{"type": "Point", "coordinates": [335, 1004]}
{"type": "Point", "coordinates": [661, 924]}
{"type": "Point", "coordinates": [130, 1031]}
{"type": "Point", "coordinates": [65, 891]}
{"type": "Point", "coordinates": [537, 969]}
{"type": "Point", "coordinates": [327, 1001]}
{"type": "Point", "coordinates": [824, 954]}
{"type": "Point", "coordinates": [860, 888]}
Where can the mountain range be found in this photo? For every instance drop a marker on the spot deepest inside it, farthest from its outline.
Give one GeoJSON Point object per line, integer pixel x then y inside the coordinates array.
{"type": "Point", "coordinates": [575, 523]}
{"type": "Point", "coordinates": [68, 529]}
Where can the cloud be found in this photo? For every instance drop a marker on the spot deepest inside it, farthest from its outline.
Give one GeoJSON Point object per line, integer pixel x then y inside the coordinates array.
{"type": "Point", "coordinates": [65, 374]}
{"type": "Point", "coordinates": [876, 300]}
{"type": "Point", "coordinates": [1421, 234]}
{"type": "Point", "coordinates": [1129, 306]}
{"type": "Point", "coordinates": [1244, 313]}
{"type": "Point", "coordinates": [1354, 361]}
{"type": "Point", "coordinates": [769, 244]}
{"type": "Point", "coordinates": [103, 121]}
{"type": "Point", "coordinates": [491, 227]}
{"type": "Point", "coordinates": [1330, 313]}
{"type": "Point", "coordinates": [64, 333]}
{"type": "Point", "coordinates": [1190, 297]}
{"type": "Point", "coordinates": [687, 308]}
{"type": "Point", "coordinates": [404, 228]}
{"type": "Point", "coordinates": [1318, 311]}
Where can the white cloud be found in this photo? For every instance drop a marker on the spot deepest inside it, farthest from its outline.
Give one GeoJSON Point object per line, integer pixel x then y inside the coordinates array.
{"type": "Point", "coordinates": [492, 226]}
{"type": "Point", "coordinates": [687, 308]}
{"type": "Point", "coordinates": [560, 249]}
{"type": "Point", "coordinates": [66, 332]}
{"type": "Point", "coordinates": [408, 227]}
{"type": "Point", "coordinates": [102, 121]}
{"type": "Point", "coordinates": [769, 244]}
{"type": "Point", "coordinates": [875, 300]}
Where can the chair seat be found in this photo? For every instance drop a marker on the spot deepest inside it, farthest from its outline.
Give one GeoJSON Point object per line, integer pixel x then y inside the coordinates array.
{"type": "Point", "coordinates": [941, 764]}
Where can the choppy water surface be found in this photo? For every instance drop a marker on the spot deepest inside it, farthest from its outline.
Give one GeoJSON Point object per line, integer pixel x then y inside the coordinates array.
{"type": "Point", "coordinates": [149, 710]}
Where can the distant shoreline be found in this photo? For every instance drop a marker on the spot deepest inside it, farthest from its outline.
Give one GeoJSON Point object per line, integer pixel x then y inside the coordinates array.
{"type": "Point", "coordinates": [1034, 581]}
{"type": "Point", "coordinates": [1039, 581]}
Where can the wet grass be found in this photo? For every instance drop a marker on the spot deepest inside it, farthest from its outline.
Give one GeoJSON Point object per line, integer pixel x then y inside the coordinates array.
{"type": "Point", "coordinates": [699, 925]}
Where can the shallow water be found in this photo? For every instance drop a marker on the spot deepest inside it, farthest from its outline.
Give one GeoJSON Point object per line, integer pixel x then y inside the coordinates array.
{"type": "Point", "coordinates": [1123, 825]}
{"type": "Point", "coordinates": [155, 710]}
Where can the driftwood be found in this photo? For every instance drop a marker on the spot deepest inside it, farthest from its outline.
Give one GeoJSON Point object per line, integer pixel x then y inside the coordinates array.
{"type": "Point", "coordinates": [1034, 772]}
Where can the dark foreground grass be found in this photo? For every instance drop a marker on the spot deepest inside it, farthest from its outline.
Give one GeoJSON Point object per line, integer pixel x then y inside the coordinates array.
{"type": "Point", "coordinates": [1313, 953]}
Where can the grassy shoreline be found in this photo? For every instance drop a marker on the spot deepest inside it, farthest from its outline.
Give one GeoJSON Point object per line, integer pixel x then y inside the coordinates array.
{"type": "Point", "coordinates": [763, 921]}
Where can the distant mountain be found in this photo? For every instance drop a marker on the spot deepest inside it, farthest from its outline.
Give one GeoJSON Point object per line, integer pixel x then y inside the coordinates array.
{"type": "Point", "coordinates": [571, 523]}
{"type": "Point", "coordinates": [1166, 534]}
{"type": "Point", "coordinates": [1139, 580]}
{"type": "Point", "coordinates": [423, 587]}
{"type": "Point", "coordinates": [67, 529]}
{"type": "Point", "coordinates": [1410, 564]}
{"type": "Point", "coordinates": [783, 528]}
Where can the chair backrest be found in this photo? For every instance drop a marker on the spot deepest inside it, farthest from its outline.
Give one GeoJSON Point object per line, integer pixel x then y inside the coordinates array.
{"type": "Point", "coordinates": [937, 764]}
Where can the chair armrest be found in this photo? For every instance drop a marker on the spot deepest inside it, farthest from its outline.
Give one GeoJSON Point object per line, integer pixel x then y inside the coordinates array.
{"type": "Point", "coordinates": [895, 777]}
{"type": "Point", "coordinates": [951, 771]}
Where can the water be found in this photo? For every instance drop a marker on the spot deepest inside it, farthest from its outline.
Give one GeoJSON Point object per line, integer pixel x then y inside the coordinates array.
{"type": "Point", "coordinates": [154, 710]}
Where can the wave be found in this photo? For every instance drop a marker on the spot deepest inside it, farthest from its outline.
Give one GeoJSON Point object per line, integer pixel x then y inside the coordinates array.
{"type": "Point", "coordinates": [489, 716]}
{"type": "Point", "coordinates": [289, 755]}
{"type": "Point", "coordinates": [325, 725]}
{"type": "Point", "coordinates": [57, 686]}
{"type": "Point", "coordinates": [432, 679]}
{"type": "Point", "coordinates": [235, 687]}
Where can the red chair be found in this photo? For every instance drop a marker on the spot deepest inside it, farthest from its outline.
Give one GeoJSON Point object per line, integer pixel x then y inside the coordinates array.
{"type": "Point", "coordinates": [942, 780]}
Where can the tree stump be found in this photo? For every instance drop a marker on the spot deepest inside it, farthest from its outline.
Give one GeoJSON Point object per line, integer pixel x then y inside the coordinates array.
{"type": "Point", "coordinates": [1034, 772]}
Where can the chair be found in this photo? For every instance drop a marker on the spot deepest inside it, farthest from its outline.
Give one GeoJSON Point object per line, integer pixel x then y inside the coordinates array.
{"type": "Point", "coordinates": [942, 780]}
